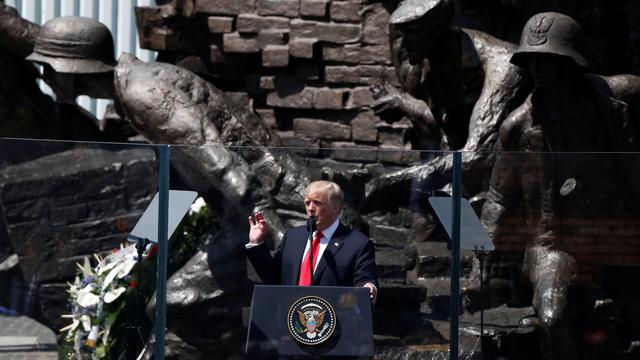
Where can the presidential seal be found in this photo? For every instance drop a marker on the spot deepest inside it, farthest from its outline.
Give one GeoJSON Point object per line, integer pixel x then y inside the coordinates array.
{"type": "Point", "coordinates": [311, 320]}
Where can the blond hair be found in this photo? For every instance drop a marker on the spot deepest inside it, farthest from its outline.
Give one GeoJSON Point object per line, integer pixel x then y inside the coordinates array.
{"type": "Point", "coordinates": [333, 191]}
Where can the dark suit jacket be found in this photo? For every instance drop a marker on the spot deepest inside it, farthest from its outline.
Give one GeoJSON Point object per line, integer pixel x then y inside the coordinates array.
{"type": "Point", "coordinates": [348, 260]}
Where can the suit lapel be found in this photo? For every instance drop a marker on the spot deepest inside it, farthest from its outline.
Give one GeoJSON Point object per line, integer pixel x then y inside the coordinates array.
{"type": "Point", "coordinates": [333, 247]}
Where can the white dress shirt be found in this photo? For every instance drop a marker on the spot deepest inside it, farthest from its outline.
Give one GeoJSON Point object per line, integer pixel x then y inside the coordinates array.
{"type": "Point", "coordinates": [327, 234]}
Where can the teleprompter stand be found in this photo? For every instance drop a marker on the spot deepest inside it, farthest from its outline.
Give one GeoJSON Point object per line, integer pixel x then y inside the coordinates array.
{"type": "Point", "coordinates": [144, 233]}
{"type": "Point", "coordinates": [473, 237]}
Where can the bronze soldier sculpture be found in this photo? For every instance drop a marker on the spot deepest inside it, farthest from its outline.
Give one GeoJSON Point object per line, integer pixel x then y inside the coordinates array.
{"type": "Point", "coordinates": [26, 110]}
{"type": "Point", "coordinates": [438, 64]}
{"type": "Point", "coordinates": [568, 111]}
{"type": "Point", "coordinates": [430, 58]}
{"type": "Point", "coordinates": [169, 104]}
{"type": "Point", "coordinates": [166, 104]}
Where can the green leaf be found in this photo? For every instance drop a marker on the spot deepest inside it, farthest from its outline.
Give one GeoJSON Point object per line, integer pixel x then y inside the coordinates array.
{"type": "Point", "coordinates": [101, 352]}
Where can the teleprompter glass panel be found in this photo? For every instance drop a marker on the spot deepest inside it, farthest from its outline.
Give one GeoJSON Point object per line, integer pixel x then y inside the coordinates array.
{"type": "Point", "coordinates": [67, 208]}
{"type": "Point", "coordinates": [385, 197]}
{"type": "Point", "coordinates": [564, 227]}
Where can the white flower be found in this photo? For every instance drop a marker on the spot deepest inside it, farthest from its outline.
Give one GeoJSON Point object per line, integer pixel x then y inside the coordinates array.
{"type": "Point", "coordinates": [126, 268]}
{"type": "Point", "coordinates": [113, 294]}
{"type": "Point", "coordinates": [73, 288]}
{"type": "Point", "coordinates": [104, 266]}
{"type": "Point", "coordinates": [112, 275]}
{"type": "Point", "coordinates": [86, 298]}
{"type": "Point", "coordinates": [85, 320]}
{"type": "Point", "coordinates": [197, 205]}
{"type": "Point", "coordinates": [71, 327]}
{"type": "Point", "coordinates": [85, 268]}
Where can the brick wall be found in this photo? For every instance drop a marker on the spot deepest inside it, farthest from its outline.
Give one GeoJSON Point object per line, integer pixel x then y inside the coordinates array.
{"type": "Point", "coordinates": [305, 66]}
{"type": "Point", "coordinates": [595, 242]}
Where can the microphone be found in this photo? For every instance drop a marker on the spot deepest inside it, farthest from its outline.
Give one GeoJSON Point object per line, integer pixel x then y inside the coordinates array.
{"type": "Point", "coordinates": [311, 225]}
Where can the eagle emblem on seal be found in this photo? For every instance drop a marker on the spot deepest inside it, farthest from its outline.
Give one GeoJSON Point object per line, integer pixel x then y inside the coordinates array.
{"type": "Point", "coordinates": [311, 320]}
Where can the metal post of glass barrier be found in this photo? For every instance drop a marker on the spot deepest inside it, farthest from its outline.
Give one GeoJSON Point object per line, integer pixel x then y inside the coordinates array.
{"type": "Point", "coordinates": [455, 256]}
{"type": "Point", "coordinates": [161, 280]}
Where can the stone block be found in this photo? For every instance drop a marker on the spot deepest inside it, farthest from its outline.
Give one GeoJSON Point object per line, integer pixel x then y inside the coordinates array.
{"type": "Point", "coordinates": [273, 37]}
{"type": "Point", "coordinates": [220, 24]}
{"type": "Point", "coordinates": [411, 157]}
{"type": "Point", "coordinates": [313, 8]}
{"type": "Point", "coordinates": [356, 54]}
{"type": "Point", "coordinates": [288, 8]}
{"type": "Point", "coordinates": [275, 56]}
{"type": "Point", "coordinates": [389, 154]}
{"type": "Point", "coordinates": [252, 23]}
{"type": "Point", "coordinates": [375, 25]}
{"type": "Point", "coordinates": [302, 47]}
{"type": "Point", "coordinates": [267, 82]}
{"type": "Point", "coordinates": [159, 41]}
{"type": "Point", "coordinates": [364, 74]}
{"type": "Point", "coordinates": [215, 54]}
{"type": "Point", "coordinates": [148, 21]}
{"type": "Point", "coordinates": [68, 214]}
{"type": "Point", "coordinates": [391, 77]}
{"type": "Point", "coordinates": [268, 116]}
{"type": "Point", "coordinates": [398, 155]}
{"type": "Point", "coordinates": [156, 29]}
{"type": "Point", "coordinates": [225, 7]}
{"type": "Point", "coordinates": [300, 145]}
{"type": "Point", "coordinates": [337, 33]}
{"type": "Point", "coordinates": [24, 211]}
{"type": "Point", "coordinates": [392, 265]}
{"type": "Point", "coordinates": [329, 99]}
{"type": "Point", "coordinates": [321, 129]}
{"type": "Point", "coordinates": [236, 43]}
{"type": "Point", "coordinates": [434, 260]}
{"type": "Point", "coordinates": [300, 100]}
{"type": "Point", "coordinates": [241, 98]}
{"type": "Point", "coordinates": [340, 33]}
{"type": "Point", "coordinates": [349, 151]}
{"type": "Point", "coordinates": [303, 28]}
{"type": "Point", "coordinates": [395, 134]}
{"type": "Point", "coordinates": [364, 127]}
{"type": "Point", "coordinates": [345, 11]}
{"type": "Point", "coordinates": [391, 236]}
{"type": "Point", "coordinates": [359, 97]}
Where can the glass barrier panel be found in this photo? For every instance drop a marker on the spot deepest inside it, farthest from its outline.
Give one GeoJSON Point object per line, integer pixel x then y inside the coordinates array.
{"type": "Point", "coordinates": [67, 271]}
{"type": "Point", "coordinates": [561, 281]}
{"type": "Point", "coordinates": [386, 194]}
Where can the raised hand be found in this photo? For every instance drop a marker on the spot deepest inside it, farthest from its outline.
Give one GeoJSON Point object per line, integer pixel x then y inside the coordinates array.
{"type": "Point", "coordinates": [258, 228]}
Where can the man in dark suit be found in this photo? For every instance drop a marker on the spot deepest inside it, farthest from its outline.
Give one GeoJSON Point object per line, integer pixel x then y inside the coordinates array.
{"type": "Point", "coordinates": [341, 256]}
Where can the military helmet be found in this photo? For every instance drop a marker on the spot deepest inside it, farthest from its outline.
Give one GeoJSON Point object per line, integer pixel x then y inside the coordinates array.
{"type": "Point", "coordinates": [73, 44]}
{"type": "Point", "coordinates": [410, 10]}
{"type": "Point", "coordinates": [551, 33]}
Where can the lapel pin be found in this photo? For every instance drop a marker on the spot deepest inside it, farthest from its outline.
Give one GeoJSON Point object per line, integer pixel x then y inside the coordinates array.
{"type": "Point", "coordinates": [336, 244]}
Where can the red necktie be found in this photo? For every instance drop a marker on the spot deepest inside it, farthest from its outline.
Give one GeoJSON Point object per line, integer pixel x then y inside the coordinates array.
{"type": "Point", "coordinates": [305, 271]}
